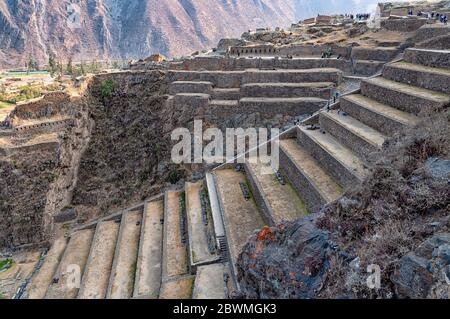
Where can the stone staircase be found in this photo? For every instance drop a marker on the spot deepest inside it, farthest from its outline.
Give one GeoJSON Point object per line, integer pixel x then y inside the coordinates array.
{"type": "Point", "coordinates": [185, 243]}
{"type": "Point", "coordinates": [369, 61]}
{"type": "Point", "coordinates": [269, 91]}
{"type": "Point", "coordinates": [164, 248]}
{"type": "Point", "coordinates": [320, 160]}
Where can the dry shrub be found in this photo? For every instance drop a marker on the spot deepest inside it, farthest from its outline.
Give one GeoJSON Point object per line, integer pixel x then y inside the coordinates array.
{"type": "Point", "coordinates": [389, 214]}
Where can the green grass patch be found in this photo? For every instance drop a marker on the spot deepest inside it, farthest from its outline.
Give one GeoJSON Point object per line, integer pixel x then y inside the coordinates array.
{"type": "Point", "coordinates": [250, 191]}
{"type": "Point", "coordinates": [6, 264]}
{"type": "Point", "coordinates": [4, 105]}
{"type": "Point", "coordinates": [107, 88]}
{"type": "Point", "coordinates": [25, 73]}
{"type": "Point", "coordinates": [132, 275]}
{"type": "Point", "coordinates": [2, 297]}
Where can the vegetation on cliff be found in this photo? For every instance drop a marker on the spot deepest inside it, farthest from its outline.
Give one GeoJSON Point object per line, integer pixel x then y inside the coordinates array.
{"type": "Point", "coordinates": [397, 220]}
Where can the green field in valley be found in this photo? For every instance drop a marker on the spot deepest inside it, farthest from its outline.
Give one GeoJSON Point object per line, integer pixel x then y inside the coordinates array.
{"type": "Point", "coordinates": [4, 105]}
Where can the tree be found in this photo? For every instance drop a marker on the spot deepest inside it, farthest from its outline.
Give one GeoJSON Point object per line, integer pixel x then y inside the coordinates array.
{"type": "Point", "coordinates": [52, 66]}
{"type": "Point", "coordinates": [32, 64]}
{"type": "Point", "coordinates": [95, 67]}
{"type": "Point", "coordinates": [116, 65]}
{"type": "Point", "coordinates": [82, 68]}
{"type": "Point", "coordinates": [60, 69]}
{"type": "Point", "coordinates": [69, 68]}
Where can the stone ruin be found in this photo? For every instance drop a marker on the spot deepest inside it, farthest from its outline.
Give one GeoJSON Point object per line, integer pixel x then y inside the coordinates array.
{"type": "Point", "coordinates": [186, 241]}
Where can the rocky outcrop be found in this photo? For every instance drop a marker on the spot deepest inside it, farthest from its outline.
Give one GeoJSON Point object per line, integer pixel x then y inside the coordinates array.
{"type": "Point", "coordinates": [425, 273]}
{"type": "Point", "coordinates": [291, 261]}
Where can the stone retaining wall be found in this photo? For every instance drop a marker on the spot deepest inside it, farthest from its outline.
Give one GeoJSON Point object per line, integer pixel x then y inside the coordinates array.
{"type": "Point", "coordinates": [377, 54]}
{"type": "Point", "coordinates": [403, 25]}
{"type": "Point", "coordinates": [438, 43]}
{"type": "Point", "coordinates": [49, 105]}
{"type": "Point", "coordinates": [234, 79]}
{"type": "Point", "coordinates": [230, 64]}
{"type": "Point", "coordinates": [429, 31]}
{"type": "Point", "coordinates": [43, 127]}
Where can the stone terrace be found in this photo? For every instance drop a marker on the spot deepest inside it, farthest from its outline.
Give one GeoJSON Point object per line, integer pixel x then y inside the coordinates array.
{"type": "Point", "coordinates": [142, 253]}
{"type": "Point", "coordinates": [271, 92]}
{"type": "Point", "coordinates": [330, 152]}
{"type": "Point", "coordinates": [185, 243]}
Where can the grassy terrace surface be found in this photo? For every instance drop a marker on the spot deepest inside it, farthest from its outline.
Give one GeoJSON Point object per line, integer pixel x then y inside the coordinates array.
{"type": "Point", "coordinates": [4, 105]}
{"type": "Point", "coordinates": [6, 264]}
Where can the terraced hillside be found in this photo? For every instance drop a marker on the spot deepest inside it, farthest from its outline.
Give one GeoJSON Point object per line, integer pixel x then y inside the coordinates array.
{"type": "Point", "coordinates": [112, 148]}
{"type": "Point", "coordinates": [168, 247]}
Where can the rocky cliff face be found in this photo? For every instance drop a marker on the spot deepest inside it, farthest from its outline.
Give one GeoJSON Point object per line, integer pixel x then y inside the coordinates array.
{"type": "Point", "coordinates": [126, 29]}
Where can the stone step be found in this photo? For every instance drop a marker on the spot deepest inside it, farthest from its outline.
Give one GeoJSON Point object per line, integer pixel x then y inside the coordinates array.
{"type": "Point", "coordinates": [219, 79]}
{"type": "Point", "coordinates": [94, 284]}
{"type": "Point", "coordinates": [223, 109]}
{"type": "Point", "coordinates": [292, 76]}
{"type": "Point", "coordinates": [72, 263]}
{"type": "Point", "coordinates": [312, 62]}
{"type": "Point", "coordinates": [224, 103]}
{"type": "Point", "coordinates": [384, 118]}
{"type": "Point", "coordinates": [190, 87]}
{"type": "Point", "coordinates": [288, 106]}
{"type": "Point", "coordinates": [322, 90]}
{"type": "Point", "coordinates": [226, 94]}
{"type": "Point", "coordinates": [210, 282]}
{"type": "Point", "coordinates": [148, 270]}
{"type": "Point", "coordinates": [435, 79]}
{"type": "Point", "coordinates": [40, 283]}
{"type": "Point", "coordinates": [428, 57]}
{"type": "Point", "coordinates": [431, 31]}
{"type": "Point", "coordinates": [407, 24]}
{"type": "Point", "coordinates": [441, 42]}
{"type": "Point", "coordinates": [339, 161]}
{"type": "Point", "coordinates": [377, 54]}
{"type": "Point", "coordinates": [192, 100]}
{"type": "Point", "coordinates": [312, 182]}
{"type": "Point", "coordinates": [177, 288]}
{"type": "Point", "coordinates": [404, 97]}
{"type": "Point", "coordinates": [297, 62]}
{"type": "Point", "coordinates": [389, 43]}
{"type": "Point", "coordinates": [200, 228]}
{"type": "Point", "coordinates": [367, 67]}
{"type": "Point", "coordinates": [352, 133]}
{"type": "Point", "coordinates": [278, 202]}
{"type": "Point", "coordinates": [121, 284]}
{"type": "Point", "coordinates": [240, 216]}
{"type": "Point", "coordinates": [175, 257]}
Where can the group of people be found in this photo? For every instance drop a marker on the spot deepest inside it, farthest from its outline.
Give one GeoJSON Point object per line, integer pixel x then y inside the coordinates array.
{"type": "Point", "coordinates": [327, 54]}
{"type": "Point", "coordinates": [363, 16]}
{"type": "Point", "coordinates": [443, 18]}
{"type": "Point", "coordinates": [359, 16]}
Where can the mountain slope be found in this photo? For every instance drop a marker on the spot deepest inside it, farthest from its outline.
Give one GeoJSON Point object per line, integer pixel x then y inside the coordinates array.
{"type": "Point", "coordinates": [137, 28]}
{"type": "Point", "coordinates": [126, 29]}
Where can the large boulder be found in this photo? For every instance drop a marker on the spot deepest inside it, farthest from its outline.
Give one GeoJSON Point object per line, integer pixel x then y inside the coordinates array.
{"type": "Point", "coordinates": [289, 261]}
{"type": "Point", "coordinates": [425, 273]}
